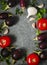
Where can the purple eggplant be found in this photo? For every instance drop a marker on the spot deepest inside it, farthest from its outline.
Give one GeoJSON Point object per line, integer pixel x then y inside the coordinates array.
{"type": "Point", "coordinates": [5, 52]}
{"type": "Point", "coordinates": [3, 15]}
{"type": "Point", "coordinates": [43, 55]}
{"type": "Point", "coordinates": [10, 21]}
{"type": "Point", "coordinates": [43, 45]}
{"type": "Point", "coordinates": [41, 36]}
{"type": "Point", "coordinates": [12, 3]}
{"type": "Point", "coordinates": [18, 53]}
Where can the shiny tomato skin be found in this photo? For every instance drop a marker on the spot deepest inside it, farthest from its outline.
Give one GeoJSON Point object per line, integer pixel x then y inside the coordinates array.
{"type": "Point", "coordinates": [42, 24]}
{"type": "Point", "coordinates": [33, 59]}
{"type": "Point", "coordinates": [5, 41]}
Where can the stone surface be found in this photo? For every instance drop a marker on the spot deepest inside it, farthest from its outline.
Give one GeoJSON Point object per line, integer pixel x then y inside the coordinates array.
{"type": "Point", "coordinates": [24, 34]}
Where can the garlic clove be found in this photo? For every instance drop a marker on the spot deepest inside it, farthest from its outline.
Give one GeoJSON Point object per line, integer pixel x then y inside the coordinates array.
{"type": "Point", "coordinates": [5, 31]}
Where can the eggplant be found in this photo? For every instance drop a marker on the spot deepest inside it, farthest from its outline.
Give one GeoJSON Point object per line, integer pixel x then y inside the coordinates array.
{"type": "Point", "coordinates": [5, 52]}
{"type": "Point", "coordinates": [12, 3]}
{"type": "Point", "coordinates": [43, 55]}
{"type": "Point", "coordinates": [18, 54]}
{"type": "Point", "coordinates": [3, 15]}
{"type": "Point", "coordinates": [43, 44]}
{"type": "Point", "coordinates": [41, 36]}
{"type": "Point", "coordinates": [10, 21]}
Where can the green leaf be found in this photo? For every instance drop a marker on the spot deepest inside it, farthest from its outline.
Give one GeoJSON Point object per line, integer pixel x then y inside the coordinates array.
{"type": "Point", "coordinates": [3, 4]}
{"type": "Point", "coordinates": [38, 16]}
{"type": "Point", "coordinates": [38, 32]}
{"type": "Point", "coordinates": [1, 58]}
{"type": "Point", "coordinates": [19, 11]}
{"type": "Point", "coordinates": [8, 61]}
{"type": "Point", "coordinates": [23, 59]}
{"type": "Point", "coordinates": [33, 2]}
{"type": "Point", "coordinates": [43, 11]}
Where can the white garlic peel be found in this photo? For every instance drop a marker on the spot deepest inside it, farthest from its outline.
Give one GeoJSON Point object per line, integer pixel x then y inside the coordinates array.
{"type": "Point", "coordinates": [33, 25]}
{"type": "Point", "coordinates": [6, 31]}
{"type": "Point", "coordinates": [31, 11]}
{"type": "Point", "coordinates": [40, 6]}
{"type": "Point", "coordinates": [32, 19]}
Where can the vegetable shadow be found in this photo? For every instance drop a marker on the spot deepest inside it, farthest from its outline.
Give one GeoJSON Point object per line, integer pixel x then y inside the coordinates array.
{"type": "Point", "coordinates": [13, 38]}
{"type": "Point", "coordinates": [27, 3]}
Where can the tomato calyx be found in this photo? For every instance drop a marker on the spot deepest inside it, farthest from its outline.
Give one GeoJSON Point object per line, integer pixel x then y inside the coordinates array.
{"type": "Point", "coordinates": [3, 42]}
{"type": "Point", "coordinates": [33, 60]}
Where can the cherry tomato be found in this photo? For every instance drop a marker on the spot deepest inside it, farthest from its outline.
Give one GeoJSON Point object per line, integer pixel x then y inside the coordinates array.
{"type": "Point", "coordinates": [5, 41]}
{"type": "Point", "coordinates": [33, 59]}
{"type": "Point", "coordinates": [42, 24]}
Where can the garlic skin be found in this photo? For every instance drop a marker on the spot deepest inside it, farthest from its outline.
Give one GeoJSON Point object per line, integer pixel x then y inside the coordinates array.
{"type": "Point", "coordinates": [31, 19]}
{"type": "Point", "coordinates": [5, 31]}
{"type": "Point", "coordinates": [41, 5]}
{"type": "Point", "coordinates": [31, 11]}
{"type": "Point", "coordinates": [33, 25]}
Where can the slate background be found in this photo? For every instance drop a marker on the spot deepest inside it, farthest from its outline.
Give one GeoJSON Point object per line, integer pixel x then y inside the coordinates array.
{"type": "Point", "coordinates": [24, 34]}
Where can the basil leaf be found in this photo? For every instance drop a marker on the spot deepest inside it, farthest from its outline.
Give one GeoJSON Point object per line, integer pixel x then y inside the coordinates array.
{"type": "Point", "coordinates": [8, 61]}
{"type": "Point", "coordinates": [19, 11]}
{"type": "Point", "coordinates": [3, 4]}
{"type": "Point", "coordinates": [38, 16]}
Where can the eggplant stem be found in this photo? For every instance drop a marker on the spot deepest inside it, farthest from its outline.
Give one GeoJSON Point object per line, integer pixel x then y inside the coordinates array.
{"type": "Point", "coordinates": [4, 25]}
{"type": "Point", "coordinates": [38, 52]}
{"type": "Point", "coordinates": [7, 7]}
{"type": "Point", "coordinates": [13, 62]}
{"type": "Point", "coordinates": [35, 38]}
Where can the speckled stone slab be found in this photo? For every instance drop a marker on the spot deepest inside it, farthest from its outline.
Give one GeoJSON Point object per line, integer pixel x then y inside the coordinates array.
{"type": "Point", "coordinates": [24, 34]}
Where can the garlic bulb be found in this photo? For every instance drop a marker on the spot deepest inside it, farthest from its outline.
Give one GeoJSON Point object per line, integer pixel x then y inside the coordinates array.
{"type": "Point", "coordinates": [31, 11]}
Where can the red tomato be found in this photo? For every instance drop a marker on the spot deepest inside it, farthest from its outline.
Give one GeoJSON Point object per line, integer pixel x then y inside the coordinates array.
{"type": "Point", "coordinates": [33, 59]}
{"type": "Point", "coordinates": [5, 41]}
{"type": "Point", "coordinates": [42, 24]}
